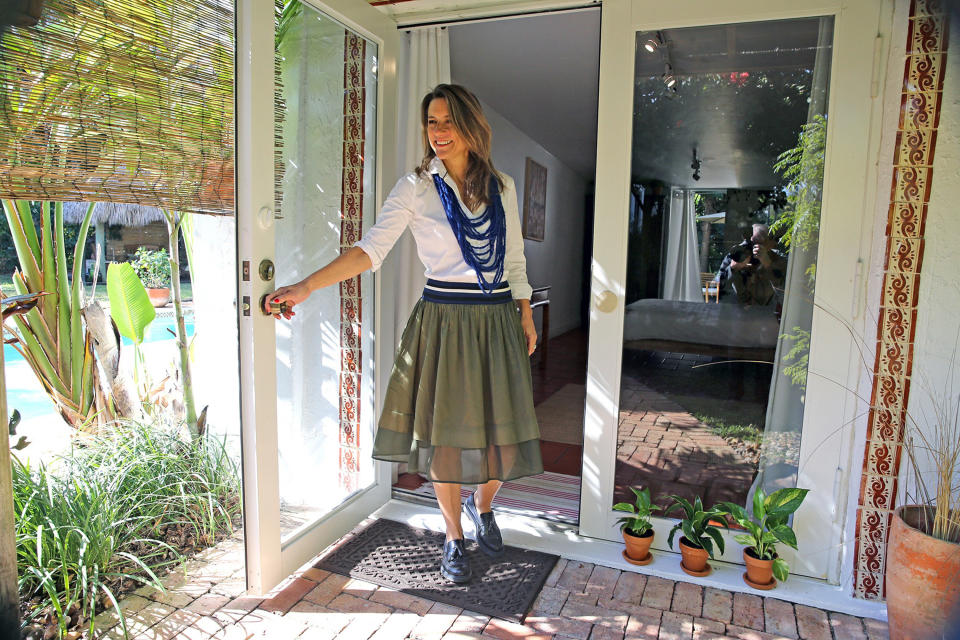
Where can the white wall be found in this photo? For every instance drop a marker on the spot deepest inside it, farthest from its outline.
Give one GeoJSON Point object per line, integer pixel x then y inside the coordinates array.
{"type": "Point", "coordinates": [557, 260]}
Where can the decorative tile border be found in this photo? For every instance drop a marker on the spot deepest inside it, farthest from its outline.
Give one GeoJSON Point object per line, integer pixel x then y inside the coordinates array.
{"type": "Point", "coordinates": [921, 96]}
{"type": "Point", "coordinates": [351, 229]}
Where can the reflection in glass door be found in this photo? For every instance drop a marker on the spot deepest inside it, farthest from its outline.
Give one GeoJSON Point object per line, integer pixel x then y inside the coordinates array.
{"type": "Point", "coordinates": [328, 192]}
{"type": "Point", "coordinates": [726, 175]}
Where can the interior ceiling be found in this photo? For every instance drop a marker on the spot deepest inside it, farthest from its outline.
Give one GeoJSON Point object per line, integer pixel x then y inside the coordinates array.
{"type": "Point", "coordinates": [541, 73]}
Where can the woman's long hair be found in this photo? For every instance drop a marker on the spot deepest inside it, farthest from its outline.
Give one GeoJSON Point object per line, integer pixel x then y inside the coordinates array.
{"type": "Point", "coordinates": [467, 117]}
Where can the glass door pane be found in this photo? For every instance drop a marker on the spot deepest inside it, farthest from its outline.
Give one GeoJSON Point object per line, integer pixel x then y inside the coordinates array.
{"type": "Point", "coordinates": [728, 149]}
{"type": "Point", "coordinates": [325, 407]}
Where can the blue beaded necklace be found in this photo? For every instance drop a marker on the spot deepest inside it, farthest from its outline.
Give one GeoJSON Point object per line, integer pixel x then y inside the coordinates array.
{"type": "Point", "coordinates": [488, 231]}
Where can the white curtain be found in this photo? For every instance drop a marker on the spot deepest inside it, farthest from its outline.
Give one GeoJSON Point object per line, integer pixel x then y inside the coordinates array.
{"type": "Point", "coordinates": [681, 278]}
{"type": "Point", "coordinates": [784, 419]}
{"type": "Point", "coordinates": [424, 63]}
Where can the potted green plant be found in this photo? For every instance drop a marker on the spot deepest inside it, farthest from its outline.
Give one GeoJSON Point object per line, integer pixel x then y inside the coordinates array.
{"type": "Point", "coordinates": [701, 530]}
{"type": "Point", "coordinates": [153, 269]}
{"type": "Point", "coordinates": [765, 528]}
{"type": "Point", "coordinates": [636, 528]}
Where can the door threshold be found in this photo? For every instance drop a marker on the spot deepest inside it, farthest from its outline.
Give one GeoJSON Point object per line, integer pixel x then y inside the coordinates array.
{"type": "Point", "coordinates": [565, 540]}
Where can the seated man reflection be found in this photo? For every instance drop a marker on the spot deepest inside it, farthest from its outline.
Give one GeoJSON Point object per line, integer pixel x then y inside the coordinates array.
{"type": "Point", "coordinates": [755, 269]}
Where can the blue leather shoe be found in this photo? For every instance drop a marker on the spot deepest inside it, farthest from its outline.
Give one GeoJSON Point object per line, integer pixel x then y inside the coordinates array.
{"type": "Point", "coordinates": [488, 533]}
{"type": "Point", "coordinates": [454, 565]}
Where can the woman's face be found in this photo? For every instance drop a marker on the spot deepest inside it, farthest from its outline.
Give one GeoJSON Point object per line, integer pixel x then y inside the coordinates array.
{"type": "Point", "coordinates": [444, 138]}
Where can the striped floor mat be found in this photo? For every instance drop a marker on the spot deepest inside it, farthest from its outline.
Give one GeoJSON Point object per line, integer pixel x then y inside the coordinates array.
{"type": "Point", "coordinates": [550, 496]}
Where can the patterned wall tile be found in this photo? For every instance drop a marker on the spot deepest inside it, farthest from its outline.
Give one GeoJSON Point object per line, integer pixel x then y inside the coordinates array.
{"type": "Point", "coordinates": [897, 324]}
{"type": "Point", "coordinates": [906, 219]}
{"type": "Point", "coordinates": [924, 59]}
{"type": "Point", "coordinates": [351, 230]}
{"type": "Point", "coordinates": [927, 8]}
{"type": "Point", "coordinates": [924, 72]}
{"type": "Point", "coordinates": [884, 457]}
{"type": "Point", "coordinates": [879, 492]}
{"type": "Point", "coordinates": [904, 254]}
{"type": "Point", "coordinates": [915, 147]}
{"type": "Point", "coordinates": [911, 184]}
{"type": "Point", "coordinates": [900, 289]}
{"type": "Point", "coordinates": [890, 393]}
{"type": "Point", "coordinates": [920, 110]}
{"type": "Point", "coordinates": [885, 424]}
{"type": "Point", "coordinates": [927, 34]}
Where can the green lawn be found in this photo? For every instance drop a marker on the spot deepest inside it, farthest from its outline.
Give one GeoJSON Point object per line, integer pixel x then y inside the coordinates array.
{"type": "Point", "coordinates": [6, 285]}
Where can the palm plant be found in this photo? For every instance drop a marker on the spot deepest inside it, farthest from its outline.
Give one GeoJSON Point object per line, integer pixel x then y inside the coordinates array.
{"type": "Point", "coordinates": [51, 337]}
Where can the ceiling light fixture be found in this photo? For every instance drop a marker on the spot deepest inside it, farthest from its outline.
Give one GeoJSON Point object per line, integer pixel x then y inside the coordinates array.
{"type": "Point", "coordinates": [654, 43]}
{"type": "Point", "coordinates": [668, 78]}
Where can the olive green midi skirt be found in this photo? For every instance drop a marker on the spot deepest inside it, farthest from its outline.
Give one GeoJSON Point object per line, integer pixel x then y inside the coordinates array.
{"type": "Point", "coordinates": [459, 404]}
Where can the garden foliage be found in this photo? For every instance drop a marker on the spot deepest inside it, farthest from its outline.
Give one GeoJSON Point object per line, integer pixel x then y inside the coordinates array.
{"type": "Point", "coordinates": [115, 514]}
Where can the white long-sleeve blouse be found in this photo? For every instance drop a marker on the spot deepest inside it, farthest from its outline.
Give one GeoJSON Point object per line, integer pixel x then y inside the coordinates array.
{"type": "Point", "coordinates": [414, 202]}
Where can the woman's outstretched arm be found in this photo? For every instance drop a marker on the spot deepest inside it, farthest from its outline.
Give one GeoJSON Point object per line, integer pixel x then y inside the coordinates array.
{"type": "Point", "coordinates": [350, 263]}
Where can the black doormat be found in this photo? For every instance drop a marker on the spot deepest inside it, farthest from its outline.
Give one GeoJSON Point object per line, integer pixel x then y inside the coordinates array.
{"type": "Point", "coordinates": [405, 558]}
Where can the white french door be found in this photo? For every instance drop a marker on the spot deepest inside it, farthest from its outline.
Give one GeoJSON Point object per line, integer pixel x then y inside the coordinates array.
{"type": "Point", "coordinates": [309, 387]}
{"type": "Point", "coordinates": [824, 458]}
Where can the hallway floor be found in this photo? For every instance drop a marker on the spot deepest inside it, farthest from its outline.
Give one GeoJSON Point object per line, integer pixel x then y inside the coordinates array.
{"type": "Point", "coordinates": [579, 601]}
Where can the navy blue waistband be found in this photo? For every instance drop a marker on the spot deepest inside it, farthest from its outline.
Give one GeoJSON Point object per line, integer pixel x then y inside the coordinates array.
{"type": "Point", "coordinates": [465, 293]}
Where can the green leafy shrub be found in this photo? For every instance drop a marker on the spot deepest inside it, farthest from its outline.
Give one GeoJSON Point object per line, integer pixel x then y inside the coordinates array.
{"type": "Point", "coordinates": [112, 515]}
{"type": "Point", "coordinates": [152, 267]}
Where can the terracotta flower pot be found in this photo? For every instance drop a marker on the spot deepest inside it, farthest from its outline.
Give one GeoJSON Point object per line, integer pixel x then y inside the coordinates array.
{"type": "Point", "coordinates": [159, 297]}
{"type": "Point", "coordinates": [694, 560]}
{"type": "Point", "coordinates": [638, 547]}
{"type": "Point", "coordinates": [923, 579]}
{"type": "Point", "coordinates": [759, 573]}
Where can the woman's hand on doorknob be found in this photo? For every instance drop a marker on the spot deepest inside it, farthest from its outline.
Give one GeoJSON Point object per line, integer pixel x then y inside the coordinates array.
{"type": "Point", "coordinates": [282, 301]}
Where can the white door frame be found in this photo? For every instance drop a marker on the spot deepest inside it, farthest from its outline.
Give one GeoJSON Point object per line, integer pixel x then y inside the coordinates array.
{"type": "Point", "coordinates": [826, 450]}
{"type": "Point", "coordinates": [269, 561]}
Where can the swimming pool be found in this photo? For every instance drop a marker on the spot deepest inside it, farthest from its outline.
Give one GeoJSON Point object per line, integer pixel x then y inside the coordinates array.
{"type": "Point", "coordinates": [26, 394]}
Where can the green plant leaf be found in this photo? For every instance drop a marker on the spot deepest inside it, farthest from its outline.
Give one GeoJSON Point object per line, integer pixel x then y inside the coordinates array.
{"type": "Point", "coordinates": [623, 506]}
{"type": "Point", "coordinates": [785, 501]}
{"type": "Point", "coordinates": [780, 570]}
{"type": "Point", "coordinates": [707, 545]}
{"type": "Point", "coordinates": [682, 503]}
{"type": "Point", "coordinates": [130, 305]}
{"type": "Point", "coordinates": [673, 532]}
{"type": "Point", "coordinates": [745, 540]}
{"type": "Point", "coordinates": [714, 533]}
{"type": "Point", "coordinates": [739, 514]}
{"type": "Point", "coordinates": [758, 511]}
{"type": "Point", "coordinates": [785, 535]}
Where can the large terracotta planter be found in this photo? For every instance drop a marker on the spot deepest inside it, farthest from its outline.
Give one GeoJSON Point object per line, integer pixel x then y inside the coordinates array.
{"type": "Point", "coordinates": [759, 573]}
{"type": "Point", "coordinates": [923, 580]}
{"type": "Point", "coordinates": [159, 297]}
{"type": "Point", "coordinates": [638, 547]}
{"type": "Point", "coordinates": [694, 560]}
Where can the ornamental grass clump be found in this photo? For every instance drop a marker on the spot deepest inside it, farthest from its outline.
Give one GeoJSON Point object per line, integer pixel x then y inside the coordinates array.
{"type": "Point", "coordinates": [112, 516]}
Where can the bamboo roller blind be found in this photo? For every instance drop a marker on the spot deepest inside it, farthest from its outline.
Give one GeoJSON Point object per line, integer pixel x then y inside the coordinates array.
{"type": "Point", "coordinates": [121, 101]}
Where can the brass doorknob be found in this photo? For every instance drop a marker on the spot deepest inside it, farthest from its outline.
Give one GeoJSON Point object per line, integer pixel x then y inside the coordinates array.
{"type": "Point", "coordinates": [606, 302]}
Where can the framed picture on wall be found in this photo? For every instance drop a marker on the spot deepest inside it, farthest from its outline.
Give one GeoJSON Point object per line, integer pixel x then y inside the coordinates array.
{"type": "Point", "coordinates": [534, 201]}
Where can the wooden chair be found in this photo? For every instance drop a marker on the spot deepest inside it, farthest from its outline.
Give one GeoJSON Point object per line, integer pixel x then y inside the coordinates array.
{"type": "Point", "coordinates": [710, 287]}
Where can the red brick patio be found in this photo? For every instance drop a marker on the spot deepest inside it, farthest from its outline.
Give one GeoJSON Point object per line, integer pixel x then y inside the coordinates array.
{"type": "Point", "coordinates": [579, 601]}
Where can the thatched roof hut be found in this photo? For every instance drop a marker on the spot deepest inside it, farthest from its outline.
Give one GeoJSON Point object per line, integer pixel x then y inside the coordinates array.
{"type": "Point", "coordinates": [113, 213]}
